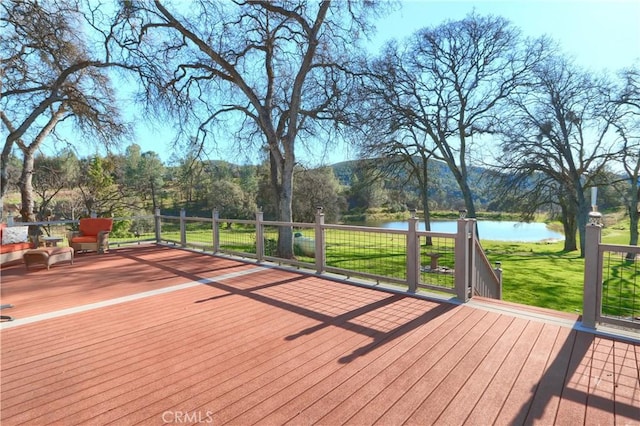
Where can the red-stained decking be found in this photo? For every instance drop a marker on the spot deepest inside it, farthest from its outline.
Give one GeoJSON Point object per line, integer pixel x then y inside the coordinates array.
{"type": "Point", "coordinates": [155, 335]}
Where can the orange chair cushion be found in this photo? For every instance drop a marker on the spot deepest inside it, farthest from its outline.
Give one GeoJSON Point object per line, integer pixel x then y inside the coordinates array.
{"type": "Point", "coordinates": [85, 239]}
{"type": "Point", "coordinates": [90, 227]}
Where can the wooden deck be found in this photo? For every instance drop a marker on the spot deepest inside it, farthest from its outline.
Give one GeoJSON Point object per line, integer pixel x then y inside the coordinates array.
{"type": "Point", "coordinates": [156, 335]}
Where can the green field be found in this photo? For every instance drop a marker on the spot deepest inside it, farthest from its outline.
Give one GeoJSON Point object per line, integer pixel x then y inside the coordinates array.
{"type": "Point", "coordinates": [541, 274]}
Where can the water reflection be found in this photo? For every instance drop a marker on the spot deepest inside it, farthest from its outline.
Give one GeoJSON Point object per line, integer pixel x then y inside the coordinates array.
{"type": "Point", "coordinates": [490, 229]}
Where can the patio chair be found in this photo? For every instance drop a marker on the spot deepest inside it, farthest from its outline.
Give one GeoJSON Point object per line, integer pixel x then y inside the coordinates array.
{"type": "Point", "coordinates": [93, 234]}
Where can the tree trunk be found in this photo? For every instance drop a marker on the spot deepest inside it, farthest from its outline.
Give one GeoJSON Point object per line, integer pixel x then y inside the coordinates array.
{"type": "Point", "coordinates": [26, 187]}
{"type": "Point", "coordinates": [468, 199]}
{"type": "Point", "coordinates": [281, 177]}
{"type": "Point", "coordinates": [424, 196]}
{"type": "Point", "coordinates": [4, 161]}
{"type": "Point", "coordinates": [154, 203]}
{"type": "Point", "coordinates": [583, 214]}
{"type": "Point", "coordinates": [468, 202]}
{"type": "Point", "coordinates": [427, 214]}
{"type": "Point", "coordinates": [285, 213]}
{"type": "Point", "coordinates": [633, 232]}
{"type": "Point", "coordinates": [4, 173]}
{"type": "Point", "coordinates": [570, 229]}
{"type": "Point", "coordinates": [26, 177]}
{"type": "Point", "coordinates": [460, 175]}
{"type": "Point", "coordinates": [633, 218]}
{"type": "Point", "coordinates": [634, 213]}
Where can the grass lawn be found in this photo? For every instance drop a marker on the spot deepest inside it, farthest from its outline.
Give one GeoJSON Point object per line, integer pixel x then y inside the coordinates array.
{"type": "Point", "coordinates": [541, 274]}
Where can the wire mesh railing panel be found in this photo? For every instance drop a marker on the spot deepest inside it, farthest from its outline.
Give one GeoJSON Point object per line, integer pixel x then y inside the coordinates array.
{"type": "Point", "coordinates": [199, 233]}
{"type": "Point", "coordinates": [132, 230]}
{"type": "Point", "coordinates": [621, 286]}
{"type": "Point", "coordinates": [170, 229]}
{"type": "Point", "coordinates": [237, 237]}
{"type": "Point", "coordinates": [437, 262]}
{"type": "Point", "coordinates": [303, 243]}
{"type": "Point", "coordinates": [374, 253]}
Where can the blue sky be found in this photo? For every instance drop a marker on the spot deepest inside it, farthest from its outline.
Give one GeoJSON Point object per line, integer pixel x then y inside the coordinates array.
{"type": "Point", "coordinates": [601, 35]}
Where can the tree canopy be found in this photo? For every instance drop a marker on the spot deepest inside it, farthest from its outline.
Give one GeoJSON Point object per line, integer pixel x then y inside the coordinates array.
{"type": "Point", "coordinates": [431, 94]}
{"type": "Point", "coordinates": [50, 74]}
{"type": "Point", "coordinates": [560, 133]}
{"type": "Point", "coordinates": [271, 71]}
{"type": "Point", "coordinates": [278, 77]}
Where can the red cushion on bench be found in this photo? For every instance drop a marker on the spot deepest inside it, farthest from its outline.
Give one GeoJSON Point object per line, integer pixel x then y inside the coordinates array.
{"type": "Point", "coordinates": [8, 248]}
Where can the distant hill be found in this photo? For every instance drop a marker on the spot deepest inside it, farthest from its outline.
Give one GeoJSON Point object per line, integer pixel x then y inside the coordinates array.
{"type": "Point", "coordinates": [443, 188]}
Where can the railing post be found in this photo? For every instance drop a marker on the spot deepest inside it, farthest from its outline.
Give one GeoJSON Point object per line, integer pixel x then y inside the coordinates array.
{"type": "Point", "coordinates": [215, 215]}
{"type": "Point", "coordinates": [592, 271]}
{"type": "Point", "coordinates": [183, 228]}
{"type": "Point", "coordinates": [413, 253]}
{"type": "Point", "coordinates": [498, 272]}
{"type": "Point", "coordinates": [471, 257]}
{"type": "Point", "coordinates": [158, 225]}
{"type": "Point", "coordinates": [319, 241]}
{"type": "Point", "coordinates": [259, 236]}
{"type": "Point", "coordinates": [461, 274]}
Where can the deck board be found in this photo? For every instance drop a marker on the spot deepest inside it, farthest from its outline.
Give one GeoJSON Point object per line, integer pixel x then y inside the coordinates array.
{"type": "Point", "coordinates": [157, 332]}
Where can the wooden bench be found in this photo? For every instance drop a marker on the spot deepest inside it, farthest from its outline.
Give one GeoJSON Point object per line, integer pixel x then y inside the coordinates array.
{"type": "Point", "coordinates": [47, 256]}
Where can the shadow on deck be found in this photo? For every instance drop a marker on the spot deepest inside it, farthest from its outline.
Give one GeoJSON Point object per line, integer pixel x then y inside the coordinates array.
{"type": "Point", "coordinates": [146, 334]}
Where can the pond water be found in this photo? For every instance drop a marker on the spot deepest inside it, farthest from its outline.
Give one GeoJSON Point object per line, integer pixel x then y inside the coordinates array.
{"type": "Point", "coordinates": [490, 229]}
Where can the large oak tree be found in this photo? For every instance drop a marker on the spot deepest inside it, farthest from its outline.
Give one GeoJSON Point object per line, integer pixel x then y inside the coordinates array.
{"type": "Point", "coordinates": [429, 96]}
{"type": "Point", "coordinates": [50, 74]}
{"type": "Point", "coordinates": [270, 73]}
{"type": "Point", "coordinates": [559, 140]}
{"type": "Point", "coordinates": [627, 125]}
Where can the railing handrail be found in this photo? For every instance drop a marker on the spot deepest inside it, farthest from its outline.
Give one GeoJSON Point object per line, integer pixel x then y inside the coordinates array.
{"type": "Point", "coordinates": [336, 226]}
{"type": "Point", "coordinates": [370, 229]}
{"type": "Point", "coordinates": [434, 234]}
{"type": "Point", "coordinates": [281, 223]}
{"type": "Point", "coordinates": [42, 223]}
{"type": "Point", "coordinates": [621, 248]}
{"type": "Point", "coordinates": [311, 225]}
{"type": "Point", "coordinates": [197, 219]}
